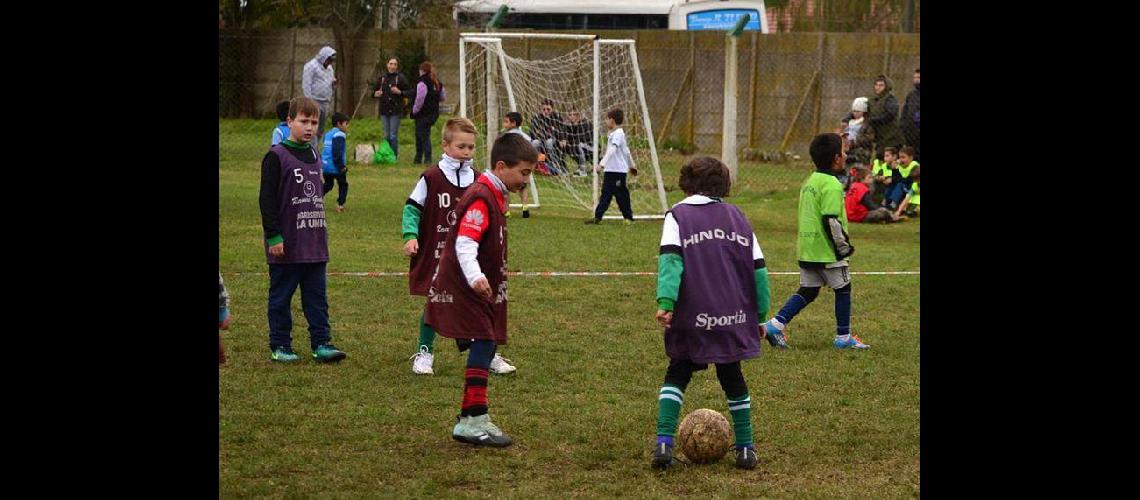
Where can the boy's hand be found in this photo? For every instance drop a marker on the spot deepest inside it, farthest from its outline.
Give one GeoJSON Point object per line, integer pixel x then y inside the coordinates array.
{"type": "Point", "coordinates": [277, 250]}
{"type": "Point", "coordinates": [482, 288]}
{"type": "Point", "coordinates": [633, 171]}
{"type": "Point", "coordinates": [664, 318]}
{"type": "Point", "coordinates": [412, 247]}
{"type": "Point", "coordinates": [599, 168]}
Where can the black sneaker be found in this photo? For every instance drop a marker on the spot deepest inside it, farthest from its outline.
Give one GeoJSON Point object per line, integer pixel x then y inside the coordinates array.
{"type": "Point", "coordinates": [593, 221]}
{"type": "Point", "coordinates": [662, 456]}
{"type": "Point", "coordinates": [746, 458]}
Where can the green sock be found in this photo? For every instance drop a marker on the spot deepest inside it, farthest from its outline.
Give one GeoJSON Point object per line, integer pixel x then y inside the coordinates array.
{"type": "Point", "coordinates": [427, 336]}
{"type": "Point", "coordinates": [740, 407]}
{"type": "Point", "coordinates": [669, 401]}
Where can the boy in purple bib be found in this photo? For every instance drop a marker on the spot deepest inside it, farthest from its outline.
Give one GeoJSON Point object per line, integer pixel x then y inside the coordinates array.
{"type": "Point", "coordinates": [712, 294]}
{"type": "Point", "coordinates": [296, 241]}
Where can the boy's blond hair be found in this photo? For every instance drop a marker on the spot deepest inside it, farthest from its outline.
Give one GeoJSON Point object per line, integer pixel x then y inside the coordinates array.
{"type": "Point", "coordinates": [457, 124]}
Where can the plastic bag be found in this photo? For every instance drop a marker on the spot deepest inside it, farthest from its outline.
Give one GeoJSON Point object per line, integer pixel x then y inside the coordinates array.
{"type": "Point", "coordinates": [384, 154]}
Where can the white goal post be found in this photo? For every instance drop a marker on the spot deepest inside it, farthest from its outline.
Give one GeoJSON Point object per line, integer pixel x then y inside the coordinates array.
{"type": "Point", "coordinates": [563, 99]}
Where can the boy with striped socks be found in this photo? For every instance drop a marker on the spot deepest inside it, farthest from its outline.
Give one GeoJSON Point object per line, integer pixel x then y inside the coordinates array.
{"type": "Point", "coordinates": [715, 316]}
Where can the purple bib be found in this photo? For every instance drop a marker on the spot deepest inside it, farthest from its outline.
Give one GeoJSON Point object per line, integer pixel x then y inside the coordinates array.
{"type": "Point", "coordinates": [302, 211]}
{"type": "Point", "coordinates": [714, 320]}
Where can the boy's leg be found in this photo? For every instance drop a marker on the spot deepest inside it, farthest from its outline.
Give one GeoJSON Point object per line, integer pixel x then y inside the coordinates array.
{"type": "Point", "coordinates": [839, 279]}
{"type": "Point", "coordinates": [740, 407]}
{"type": "Point", "coordinates": [342, 188]}
{"type": "Point", "coordinates": [669, 400]}
{"type": "Point", "coordinates": [607, 195]}
{"type": "Point", "coordinates": [315, 304]}
{"type": "Point", "coordinates": [880, 214]}
{"type": "Point", "coordinates": [423, 359]}
{"type": "Point", "coordinates": [810, 281]}
{"type": "Point", "coordinates": [328, 185]}
{"type": "Point", "coordinates": [474, 424]}
{"type": "Point", "coordinates": [427, 337]}
{"type": "Point", "coordinates": [283, 281]}
{"type": "Point", "coordinates": [622, 194]}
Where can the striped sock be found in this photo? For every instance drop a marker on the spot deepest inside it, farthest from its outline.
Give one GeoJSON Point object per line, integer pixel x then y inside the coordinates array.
{"type": "Point", "coordinates": [669, 401]}
{"type": "Point", "coordinates": [474, 393]}
{"type": "Point", "coordinates": [740, 407]}
{"type": "Point", "coordinates": [427, 336]}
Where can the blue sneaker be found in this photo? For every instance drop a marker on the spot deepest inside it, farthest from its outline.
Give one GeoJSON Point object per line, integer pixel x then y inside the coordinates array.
{"type": "Point", "coordinates": [284, 355]}
{"type": "Point", "coordinates": [775, 336]}
{"type": "Point", "coordinates": [852, 342]}
{"type": "Point", "coordinates": [328, 353]}
{"type": "Point", "coordinates": [662, 456]}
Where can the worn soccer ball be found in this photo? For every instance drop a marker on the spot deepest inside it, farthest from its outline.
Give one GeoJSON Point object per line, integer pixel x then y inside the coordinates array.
{"type": "Point", "coordinates": [704, 436]}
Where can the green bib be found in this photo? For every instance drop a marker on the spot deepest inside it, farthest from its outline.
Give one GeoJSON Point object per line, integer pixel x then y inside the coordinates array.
{"type": "Point", "coordinates": [914, 194]}
{"type": "Point", "coordinates": [821, 194]}
{"type": "Point", "coordinates": [905, 171]}
{"type": "Point", "coordinates": [881, 168]}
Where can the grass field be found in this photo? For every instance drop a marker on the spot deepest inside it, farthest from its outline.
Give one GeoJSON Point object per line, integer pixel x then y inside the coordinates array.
{"type": "Point", "coordinates": [582, 405]}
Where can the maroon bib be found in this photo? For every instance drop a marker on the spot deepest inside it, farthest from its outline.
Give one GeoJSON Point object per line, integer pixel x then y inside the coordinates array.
{"type": "Point", "coordinates": [454, 309]}
{"type": "Point", "coordinates": [436, 222]}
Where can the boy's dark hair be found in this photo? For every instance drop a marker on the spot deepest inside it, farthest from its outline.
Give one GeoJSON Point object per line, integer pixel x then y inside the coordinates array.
{"type": "Point", "coordinates": [339, 118]}
{"type": "Point", "coordinates": [282, 111]}
{"type": "Point", "coordinates": [548, 102]}
{"type": "Point", "coordinates": [892, 150]}
{"type": "Point", "coordinates": [705, 175]}
{"type": "Point", "coordinates": [823, 149]}
{"type": "Point", "coordinates": [512, 149]}
{"type": "Point", "coordinates": [617, 115]}
{"type": "Point", "coordinates": [515, 117]}
{"type": "Point", "coordinates": [304, 105]}
{"type": "Point", "coordinates": [908, 150]}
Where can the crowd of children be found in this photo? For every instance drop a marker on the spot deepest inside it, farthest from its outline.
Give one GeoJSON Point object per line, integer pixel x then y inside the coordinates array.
{"type": "Point", "coordinates": [713, 294]}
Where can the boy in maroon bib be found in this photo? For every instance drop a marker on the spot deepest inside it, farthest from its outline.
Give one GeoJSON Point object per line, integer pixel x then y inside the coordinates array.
{"type": "Point", "coordinates": [712, 294]}
{"type": "Point", "coordinates": [467, 300]}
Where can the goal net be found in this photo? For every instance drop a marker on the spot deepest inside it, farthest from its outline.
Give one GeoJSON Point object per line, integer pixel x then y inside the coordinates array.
{"type": "Point", "coordinates": [563, 91]}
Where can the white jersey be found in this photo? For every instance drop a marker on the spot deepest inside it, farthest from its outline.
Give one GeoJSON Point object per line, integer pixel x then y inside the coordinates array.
{"type": "Point", "coordinates": [618, 158]}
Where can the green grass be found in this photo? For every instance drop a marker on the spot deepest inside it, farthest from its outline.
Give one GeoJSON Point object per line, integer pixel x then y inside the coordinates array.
{"type": "Point", "coordinates": [582, 405]}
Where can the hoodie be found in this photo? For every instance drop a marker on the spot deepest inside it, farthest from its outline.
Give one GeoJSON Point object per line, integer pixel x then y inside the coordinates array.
{"type": "Point", "coordinates": [316, 79]}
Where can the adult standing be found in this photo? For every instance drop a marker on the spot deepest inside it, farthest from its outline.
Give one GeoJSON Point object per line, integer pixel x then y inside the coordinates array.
{"type": "Point", "coordinates": [391, 89]}
{"type": "Point", "coordinates": [429, 93]}
{"type": "Point", "coordinates": [908, 120]}
{"type": "Point", "coordinates": [317, 82]}
{"type": "Point", "coordinates": [883, 109]}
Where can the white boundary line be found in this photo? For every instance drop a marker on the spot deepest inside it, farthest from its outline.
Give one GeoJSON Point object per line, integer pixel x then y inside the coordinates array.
{"type": "Point", "coordinates": [588, 273]}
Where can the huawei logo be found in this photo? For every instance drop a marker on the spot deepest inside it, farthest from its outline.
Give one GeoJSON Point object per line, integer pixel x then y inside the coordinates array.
{"type": "Point", "coordinates": [474, 217]}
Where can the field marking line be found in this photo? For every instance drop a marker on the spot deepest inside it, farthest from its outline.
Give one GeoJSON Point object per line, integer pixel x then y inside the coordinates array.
{"type": "Point", "coordinates": [584, 273]}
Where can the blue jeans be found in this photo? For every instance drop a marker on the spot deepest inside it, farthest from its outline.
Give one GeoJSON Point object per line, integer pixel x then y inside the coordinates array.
{"type": "Point", "coordinates": [283, 281]}
{"type": "Point", "coordinates": [392, 131]}
{"type": "Point", "coordinates": [423, 138]}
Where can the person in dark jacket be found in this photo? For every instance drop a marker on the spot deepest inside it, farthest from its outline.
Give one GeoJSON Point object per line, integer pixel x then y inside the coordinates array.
{"type": "Point", "coordinates": [429, 93]}
{"type": "Point", "coordinates": [390, 90]}
{"type": "Point", "coordinates": [883, 109]}
{"type": "Point", "coordinates": [908, 120]}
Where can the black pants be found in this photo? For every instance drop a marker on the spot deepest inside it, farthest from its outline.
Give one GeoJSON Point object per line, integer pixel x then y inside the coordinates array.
{"type": "Point", "coordinates": [613, 186]}
{"type": "Point", "coordinates": [342, 191]}
{"type": "Point", "coordinates": [423, 138]}
{"type": "Point", "coordinates": [283, 281]}
{"type": "Point", "coordinates": [731, 379]}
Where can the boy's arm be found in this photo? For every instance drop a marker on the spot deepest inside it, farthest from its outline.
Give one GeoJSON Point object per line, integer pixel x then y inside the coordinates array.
{"type": "Point", "coordinates": [338, 153]}
{"type": "Point", "coordinates": [413, 211]}
{"type": "Point", "coordinates": [269, 198]}
{"type": "Point", "coordinates": [831, 205]}
{"type": "Point", "coordinates": [763, 289]}
{"type": "Point", "coordinates": [670, 264]}
{"type": "Point", "coordinates": [472, 224]}
{"type": "Point", "coordinates": [628, 155]}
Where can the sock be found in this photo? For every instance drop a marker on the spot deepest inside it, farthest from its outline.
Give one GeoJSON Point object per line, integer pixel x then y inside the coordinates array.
{"type": "Point", "coordinates": [427, 336]}
{"type": "Point", "coordinates": [668, 440]}
{"type": "Point", "coordinates": [669, 401]}
{"type": "Point", "coordinates": [740, 407]}
{"type": "Point", "coordinates": [475, 385]}
{"type": "Point", "coordinates": [791, 308]}
{"type": "Point", "coordinates": [842, 312]}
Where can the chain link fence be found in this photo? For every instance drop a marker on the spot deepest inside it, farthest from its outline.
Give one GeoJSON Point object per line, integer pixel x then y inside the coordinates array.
{"type": "Point", "coordinates": [791, 86]}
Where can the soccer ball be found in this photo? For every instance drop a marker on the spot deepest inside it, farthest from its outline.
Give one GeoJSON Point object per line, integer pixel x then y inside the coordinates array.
{"type": "Point", "coordinates": [704, 436]}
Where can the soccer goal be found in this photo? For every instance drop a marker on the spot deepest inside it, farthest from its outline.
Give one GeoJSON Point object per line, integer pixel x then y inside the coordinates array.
{"type": "Point", "coordinates": [563, 85]}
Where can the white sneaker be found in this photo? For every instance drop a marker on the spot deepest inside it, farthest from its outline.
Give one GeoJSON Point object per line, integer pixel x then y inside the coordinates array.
{"type": "Point", "coordinates": [501, 365]}
{"type": "Point", "coordinates": [422, 361]}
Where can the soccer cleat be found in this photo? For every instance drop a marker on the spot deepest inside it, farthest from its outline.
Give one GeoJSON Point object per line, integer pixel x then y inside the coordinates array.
{"type": "Point", "coordinates": [328, 353]}
{"type": "Point", "coordinates": [628, 222]}
{"type": "Point", "coordinates": [501, 365]}
{"type": "Point", "coordinates": [478, 431]}
{"type": "Point", "coordinates": [662, 456]}
{"type": "Point", "coordinates": [593, 221]}
{"type": "Point", "coordinates": [422, 361]}
{"type": "Point", "coordinates": [746, 458]}
{"type": "Point", "coordinates": [284, 355]}
{"type": "Point", "coordinates": [775, 336]}
{"type": "Point", "coordinates": [852, 342]}
{"type": "Point", "coordinates": [340, 208]}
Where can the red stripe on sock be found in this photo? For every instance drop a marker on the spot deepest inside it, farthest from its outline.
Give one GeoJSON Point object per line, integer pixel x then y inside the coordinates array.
{"type": "Point", "coordinates": [476, 372]}
{"type": "Point", "coordinates": [474, 396]}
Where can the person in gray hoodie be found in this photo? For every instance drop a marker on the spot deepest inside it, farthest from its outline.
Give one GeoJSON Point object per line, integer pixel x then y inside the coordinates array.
{"type": "Point", "coordinates": [318, 80]}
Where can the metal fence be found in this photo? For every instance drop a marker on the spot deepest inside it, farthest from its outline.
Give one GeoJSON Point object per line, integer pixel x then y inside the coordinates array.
{"type": "Point", "coordinates": [791, 85]}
